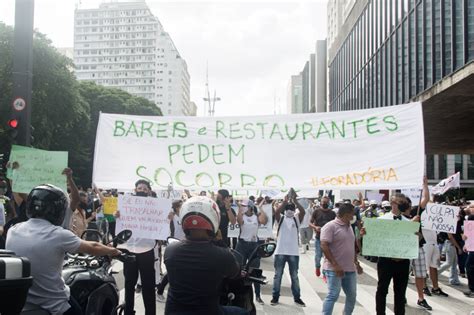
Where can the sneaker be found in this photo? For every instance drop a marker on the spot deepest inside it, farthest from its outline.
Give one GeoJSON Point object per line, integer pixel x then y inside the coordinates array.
{"type": "Point", "coordinates": [259, 300]}
{"type": "Point", "coordinates": [454, 283]}
{"type": "Point", "coordinates": [425, 305]}
{"type": "Point", "coordinates": [439, 292]}
{"type": "Point", "coordinates": [318, 272]}
{"type": "Point", "coordinates": [426, 291]}
{"type": "Point", "coordinates": [274, 301]}
{"type": "Point", "coordinates": [300, 302]}
{"type": "Point", "coordinates": [138, 289]}
{"type": "Point", "coordinates": [160, 298]}
{"type": "Point", "coordinates": [469, 294]}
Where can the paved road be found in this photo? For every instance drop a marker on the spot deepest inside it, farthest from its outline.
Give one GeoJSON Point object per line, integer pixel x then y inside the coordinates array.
{"type": "Point", "coordinates": [314, 290]}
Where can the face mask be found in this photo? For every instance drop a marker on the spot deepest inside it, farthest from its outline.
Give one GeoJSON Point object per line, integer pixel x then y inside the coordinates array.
{"type": "Point", "coordinates": [325, 206]}
{"type": "Point", "coordinates": [83, 205]}
{"type": "Point", "coordinates": [354, 219]}
{"type": "Point", "coordinates": [141, 194]}
{"type": "Point", "coordinates": [289, 213]}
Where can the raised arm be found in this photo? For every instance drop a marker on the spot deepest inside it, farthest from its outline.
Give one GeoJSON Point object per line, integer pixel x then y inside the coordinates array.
{"type": "Point", "coordinates": [425, 198]}
{"type": "Point", "coordinates": [72, 186]}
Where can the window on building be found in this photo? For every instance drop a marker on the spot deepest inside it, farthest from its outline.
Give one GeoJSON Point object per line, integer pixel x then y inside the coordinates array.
{"type": "Point", "coordinates": [442, 166]}
{"type": "Point", "coordinates": [437, 40]}
{"type": "Point", "coordinates": [458, 30]}
{"type": "Point", "coordinates": [447, 37]}
{"type": "Point", "coordinates": [470, 166]}
{"type": "Point", "coordinates": [470, 28]}
{"type": "Point", "coordinates": [458, 164]}
{"type": "Point", "coordinates": [430, 167]}
{"type": "Point", "coordinates": [428, 45]}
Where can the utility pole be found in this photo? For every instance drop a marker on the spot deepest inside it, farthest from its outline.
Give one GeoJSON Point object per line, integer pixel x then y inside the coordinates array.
{"type": "Point", "coordinates": [19, 123]}
{"type": "Point", "coordinates": [210, 101]}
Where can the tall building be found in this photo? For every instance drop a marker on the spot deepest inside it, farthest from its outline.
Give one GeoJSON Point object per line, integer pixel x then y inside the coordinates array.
{"type": "Point", "coordinates": [295, 95]}
{"type": "Point", "coordinates": [312, 83]}
{"type": "Point", "coordinates": [393, 52]}
{"type": "Point", "coordinates": [123, 45]}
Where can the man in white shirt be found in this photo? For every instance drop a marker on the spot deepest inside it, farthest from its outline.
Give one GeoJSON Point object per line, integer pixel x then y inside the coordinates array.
{"type": "Point", "coordinates": [306, 232]}
{"type": "Point", "coordinates": [287, 250]}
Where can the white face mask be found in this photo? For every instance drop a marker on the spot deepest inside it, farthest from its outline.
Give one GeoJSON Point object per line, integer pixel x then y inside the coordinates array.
{"type": "Point", "coordinates": [289, 213]}
{"type": "Point", "coordinates": [354, 219]}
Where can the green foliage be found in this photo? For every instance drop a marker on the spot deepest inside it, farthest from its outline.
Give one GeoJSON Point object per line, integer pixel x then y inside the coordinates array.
{"type": "Point", "coordinates": [65, 112]}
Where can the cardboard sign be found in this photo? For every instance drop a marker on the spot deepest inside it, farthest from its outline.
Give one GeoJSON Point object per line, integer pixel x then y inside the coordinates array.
{"type": "Point", "coordinates": [469, 232]}
{"type": "Point", "coordinates": [390, 238]}
{"type": "Point", "coordinates": [264, 231]}
{"type": "Point", "coordinates": [110, 205]}
{"type": "Point", "coordinates": [209, 153]}
{"type": "Point", "coordinates": [36, 167]}
{"type": "Point", "coordinates": [146, 217]}
{"type": "Point", "coordinates": [440, 218]}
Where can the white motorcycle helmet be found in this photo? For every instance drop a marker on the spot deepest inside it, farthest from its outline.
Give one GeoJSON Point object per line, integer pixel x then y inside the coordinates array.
{"type": "Point", "coordinates": [200, 213]}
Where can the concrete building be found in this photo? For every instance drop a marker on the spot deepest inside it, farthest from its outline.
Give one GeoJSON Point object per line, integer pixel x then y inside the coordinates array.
{"type": "Point", "coordinates": [312, 82]}
{"type": "Point", "coordinates": [123, 45]}
{"type": "Point", "coordinates": [295, 95]}
{"type": "Point", "coordinates": [393, 52]}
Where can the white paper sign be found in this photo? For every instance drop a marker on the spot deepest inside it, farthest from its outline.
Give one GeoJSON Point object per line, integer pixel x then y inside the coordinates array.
{"type": "Point", "coordinates": [440, 218]}
{"type": "Point", "coordinates": [264, 231]}
{"type": "Point", "coordinates": [146, 217]}
{"type": "Point", "coordinates": [373, 195]}
{"type": "Point", "coordinates": [323, 151]}
{"type": "Point", "coordinates": [414, 195]}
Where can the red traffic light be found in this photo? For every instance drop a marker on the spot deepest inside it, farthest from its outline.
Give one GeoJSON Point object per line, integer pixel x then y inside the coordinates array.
{"type": "Point", "coordinates": [13, 123]}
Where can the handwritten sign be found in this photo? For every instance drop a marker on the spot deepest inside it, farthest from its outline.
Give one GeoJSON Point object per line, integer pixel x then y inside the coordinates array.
{"type": "Point", "coordinates": [469, 232]}
{"type": "Point", "coordinates": [110, 205]}
{"type": "Point", "coordinates": [264, 231]}
{"type": "Point", "coordinates": [37, 167]}
{"type": "Point", "coordinates": [414, 195]}
{"type": "Point", "coordinates": [208, 153]}
{"type": "Point", "coordinates": [390, 238]}
{"type": "Point", "coordinates": [146, 217]}
{"type": "Point", "coordinates": [440, 218]}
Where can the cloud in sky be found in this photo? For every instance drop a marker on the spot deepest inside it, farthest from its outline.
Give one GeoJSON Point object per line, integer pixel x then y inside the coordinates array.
{"type": "Point", "coordinates": [252, 48]}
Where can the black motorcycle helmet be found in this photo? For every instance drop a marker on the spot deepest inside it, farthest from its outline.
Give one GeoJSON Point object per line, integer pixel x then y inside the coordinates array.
{"type": "Point", "coordinates": [47, 202]}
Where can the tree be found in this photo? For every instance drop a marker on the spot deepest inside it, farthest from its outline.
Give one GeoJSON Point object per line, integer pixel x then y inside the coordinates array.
{"type": "Point", "coordinates": [64, 111]}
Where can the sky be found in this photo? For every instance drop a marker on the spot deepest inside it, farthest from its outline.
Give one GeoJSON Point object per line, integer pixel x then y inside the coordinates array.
{"type": "Point", "coordinates": [251, 47]}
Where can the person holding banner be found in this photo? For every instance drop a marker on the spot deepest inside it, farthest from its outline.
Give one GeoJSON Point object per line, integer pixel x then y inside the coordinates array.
{"type": "Point", "coordinates": [249, 222]}
{"type": "Point", "coordinates": [224, 201]}
{"type": "Point", "coordinates": [144, 265]}
{"type": "Point", "coordinates": [287, 249]}
{"type": "Point", "coordinates": [393, 268]}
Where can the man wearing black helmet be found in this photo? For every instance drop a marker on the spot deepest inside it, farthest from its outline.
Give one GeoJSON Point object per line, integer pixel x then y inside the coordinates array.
{"type": "Point", "coordinates": [44, 242]}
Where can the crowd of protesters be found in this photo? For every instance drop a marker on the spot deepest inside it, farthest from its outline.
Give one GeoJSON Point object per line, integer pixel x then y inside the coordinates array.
{"type": "Point", "coordinates": [338, 238]}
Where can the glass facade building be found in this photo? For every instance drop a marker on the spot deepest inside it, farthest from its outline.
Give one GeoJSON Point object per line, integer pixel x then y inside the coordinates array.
{"type": "Point", "coordinates": [398, 49]}
{"type": "Point", "coordinates": [395, 50]}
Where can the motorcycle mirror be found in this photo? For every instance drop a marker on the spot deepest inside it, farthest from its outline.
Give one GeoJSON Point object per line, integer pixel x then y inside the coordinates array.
{"type": "Point", "coordinates": [266, 250]}
{"type": "Point", "coordinates": [171, 240]}
{"type": "Point", "coordinates": [123, 237]}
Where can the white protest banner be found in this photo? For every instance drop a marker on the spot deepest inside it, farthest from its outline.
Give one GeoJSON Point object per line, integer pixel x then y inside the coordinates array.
{"type": "Point", "coordinates": [146, 217]}
{"type": "Point", "coordinates": [446, 184]}
{"type": "Point", "coordinates": [264, 231]}
{"type": "Point", "coordinates": [374, 195]}
{"type": "Point", "coordinates": [440, 218]}
{"type": "Point", "coordinates": [264, 152]}
{"type": "Point", "coordinates": [414, 195]}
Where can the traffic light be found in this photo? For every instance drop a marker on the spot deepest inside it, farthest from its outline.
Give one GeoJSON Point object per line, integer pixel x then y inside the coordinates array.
{"type": "Point", "coordinates": [13, 129]}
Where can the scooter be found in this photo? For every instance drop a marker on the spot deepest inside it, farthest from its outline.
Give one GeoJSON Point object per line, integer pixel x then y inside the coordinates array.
{"type": "Point", "coordinates": [239, 291]}
{"type": "Point", "coordinates": [91, 280]}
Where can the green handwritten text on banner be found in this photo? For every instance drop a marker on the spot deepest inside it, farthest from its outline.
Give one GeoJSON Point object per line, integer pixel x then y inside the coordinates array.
{"type": "Point", "coordinates": [36, 167]}
{"type": "Point", "coordinates": [391, 238]}
{"type": "Point", "coordinates": [263, 152]}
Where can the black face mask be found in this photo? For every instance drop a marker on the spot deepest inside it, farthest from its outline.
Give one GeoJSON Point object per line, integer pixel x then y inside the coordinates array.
{"type": "Point", "coordinates": [141, 194]}
{"type": "Point", "coordinates": [83, 205]}
{"type": "Point", "coordinates": [403, 207]}
{"type": "Point", "coordinates": [324, 206]}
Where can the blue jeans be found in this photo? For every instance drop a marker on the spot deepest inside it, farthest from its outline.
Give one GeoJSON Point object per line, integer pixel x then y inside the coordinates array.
{"type": "Point", "coordinates": [245, 249]}
{"type": "Point", "coordinates": [279, 264]}
{"type": "Point", "coordinates": [318, 253]}
{"type": "Point", "coordinates": [348, 284]}
{"type": "Point", "coordinates": [451, 263]}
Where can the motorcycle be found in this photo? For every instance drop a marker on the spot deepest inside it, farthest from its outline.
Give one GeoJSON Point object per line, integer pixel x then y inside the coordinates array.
{"type": "Point", "coordinates": [239, 291]}
{"type": "Point", "coordinates": [91, 280]}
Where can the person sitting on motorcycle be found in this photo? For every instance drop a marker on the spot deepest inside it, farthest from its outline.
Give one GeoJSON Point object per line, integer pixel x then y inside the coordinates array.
{"type": "Point", "coordinates": [44, 242]}
{"type": "Point", "coordinates": [196, 267]}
